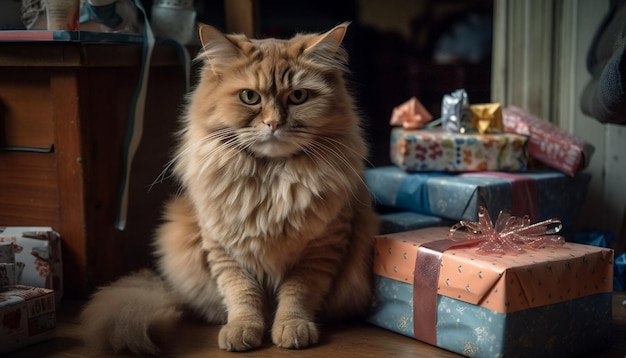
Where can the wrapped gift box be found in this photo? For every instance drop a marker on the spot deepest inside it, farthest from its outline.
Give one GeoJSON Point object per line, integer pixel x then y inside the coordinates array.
{"type": "Point", "coordinates": [27, 316]}
{"type": "Point", "coordinates": [407, 220]}
{"type": "Point", "coordinates": [8, 274]}
{"type": "Point", "coordinates": [38, 255]}
{"type": "Point", "coordinates": [437, 150]}
{"type": "Point", "coordinates": [548, 143]}
{"type": "Point", "coordinates": [541, 195]}
{"type": "Point", "coordinates": [542, 303]}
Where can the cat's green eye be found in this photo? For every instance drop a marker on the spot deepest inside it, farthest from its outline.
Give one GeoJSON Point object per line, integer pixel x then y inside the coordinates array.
{"type": "Point", "coordinates": [298, 96]}
{"type": "Point", "coordinates": [249, 97]}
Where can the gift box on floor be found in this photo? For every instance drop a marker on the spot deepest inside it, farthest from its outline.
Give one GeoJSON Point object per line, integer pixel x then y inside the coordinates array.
{"type": "Point", "coordinates": [541, 195]}
{"type": "Point", "coordinates": [8, 273]}
{"type": "Point", "coordinates": [38, 257]}
{"type": "Point", "coordinates": [407, 220]}
{"type": "Point", "coordinates": [437, 150]}
{"type": "Point", "coordinates": [27, 316]}
{"type": "Point", "coordinates": [548, 143]}
{"type": "Point", "coordinates": [551, 302]}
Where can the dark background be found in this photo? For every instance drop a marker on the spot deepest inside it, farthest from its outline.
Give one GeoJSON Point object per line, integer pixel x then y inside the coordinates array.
{"type": "Point", "coordinates": [387, 68]}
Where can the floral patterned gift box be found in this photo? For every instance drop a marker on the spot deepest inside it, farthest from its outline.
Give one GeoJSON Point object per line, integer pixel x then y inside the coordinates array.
{"type": "Point", "coordinates": [437, 150]}
{"type": "Point", "coordinates": [550, 302]}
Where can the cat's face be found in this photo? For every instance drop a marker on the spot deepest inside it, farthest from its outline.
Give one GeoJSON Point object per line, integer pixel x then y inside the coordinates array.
{"type": "Point", "coordinates": [274, 98]}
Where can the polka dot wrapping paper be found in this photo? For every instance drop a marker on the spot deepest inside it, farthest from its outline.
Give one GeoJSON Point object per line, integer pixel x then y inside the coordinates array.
{"type": "Point", "coordinates": [539, 303]}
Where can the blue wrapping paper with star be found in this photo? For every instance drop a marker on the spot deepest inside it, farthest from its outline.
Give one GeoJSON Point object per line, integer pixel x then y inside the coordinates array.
{"type": "Point", "coordinates": [454, 196]}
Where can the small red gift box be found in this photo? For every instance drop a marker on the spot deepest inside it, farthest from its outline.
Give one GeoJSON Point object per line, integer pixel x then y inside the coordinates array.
{"type": "Point", "coordinates": [548, 143]}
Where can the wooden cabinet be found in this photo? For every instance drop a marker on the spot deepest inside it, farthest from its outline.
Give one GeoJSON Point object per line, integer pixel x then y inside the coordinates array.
{"type": "Point", "coordinates": [64, 110]}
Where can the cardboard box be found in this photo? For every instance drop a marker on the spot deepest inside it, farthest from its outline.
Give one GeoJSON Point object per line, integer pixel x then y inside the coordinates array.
{"type": "Point", "coordinates": [545, 302]}
{"type": "Point", "coordinates": [38, 255]}
{"type": "Point", "coordinates": [541, 195]}
{"type": "Point", "coordinates": [548, 143]}
{"type": "Point", "coordinates": [27, 316]}
{"type": "Point", "coordinates": [437, 150]}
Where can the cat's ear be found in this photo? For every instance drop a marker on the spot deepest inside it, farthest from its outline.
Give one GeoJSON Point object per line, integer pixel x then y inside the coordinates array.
{"type": "Point", "coordinates": [330, 40]}
{"type": "Point", "coordinates": [217, 47]}
{"type": "Point", "coordinates": [327, 46]}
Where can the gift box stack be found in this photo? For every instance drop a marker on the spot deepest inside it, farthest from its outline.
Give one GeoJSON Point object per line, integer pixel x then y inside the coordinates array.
{"type": "Point", "coordinates": [479, 154]}
{"type": "Point", "coordinates": [513, 288]}
{"type": "Point", "coordinates": [30, 284]}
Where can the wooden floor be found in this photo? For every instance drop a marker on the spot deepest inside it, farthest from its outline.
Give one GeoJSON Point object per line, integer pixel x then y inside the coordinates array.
{"type": "Point", "coordinates": [195, 339]}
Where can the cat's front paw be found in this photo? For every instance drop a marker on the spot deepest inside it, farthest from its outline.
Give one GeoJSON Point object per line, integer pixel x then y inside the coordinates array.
{"type": "Point", "coordinates": [294, 333]}
{"type": "Point", "coordinates": [240, 336]}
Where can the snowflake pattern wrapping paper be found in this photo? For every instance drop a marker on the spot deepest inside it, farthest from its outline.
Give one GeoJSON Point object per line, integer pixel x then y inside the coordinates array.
{"type": "Point", "coordinates": [543, 303]}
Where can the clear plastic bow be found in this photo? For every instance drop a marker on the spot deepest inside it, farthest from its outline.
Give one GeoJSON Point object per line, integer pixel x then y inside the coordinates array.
{"type": "Point", "coordinates": [510, 235]}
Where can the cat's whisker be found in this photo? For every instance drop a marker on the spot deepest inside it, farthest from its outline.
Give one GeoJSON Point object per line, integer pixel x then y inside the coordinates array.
{"type": "Point", "coordinates": [355, 152]}
{"type": "Point", "coordinates": [317, 157]}
{"type": "Point", "coordinates": [225, 150]}
{"type": "Point", "coordinates": [337, 159]}
{"type": "Point", "coordinates": [338, 154]}
{"type": "Point", "coordinates": [166, 168]}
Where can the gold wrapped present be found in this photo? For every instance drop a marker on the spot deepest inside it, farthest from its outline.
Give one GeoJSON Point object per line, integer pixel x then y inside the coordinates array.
{"type": "Point", "coordinates": [486, 118]}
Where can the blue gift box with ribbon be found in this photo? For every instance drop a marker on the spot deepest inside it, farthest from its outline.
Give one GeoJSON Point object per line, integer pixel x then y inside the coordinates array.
{"type": "Point", "coordinates": [541, 195]}
{"type": "Point", "coordinates": [407, 220]}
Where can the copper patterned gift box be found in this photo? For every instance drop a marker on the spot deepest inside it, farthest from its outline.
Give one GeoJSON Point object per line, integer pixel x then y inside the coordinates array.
{"type": "Point", "coordinates": [37, 257]}
{"type": "Point", "coordinates": [437, 150]}
{"type": "Point", "coordinates": [550, 302]}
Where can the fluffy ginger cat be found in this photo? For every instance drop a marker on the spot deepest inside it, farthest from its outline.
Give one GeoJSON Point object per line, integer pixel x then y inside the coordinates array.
{"type": "Point", "coordinates": [273, 228]}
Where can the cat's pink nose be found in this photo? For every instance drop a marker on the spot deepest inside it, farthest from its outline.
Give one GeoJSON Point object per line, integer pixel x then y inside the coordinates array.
{"type": "Point", "coordinates": [272, 124]}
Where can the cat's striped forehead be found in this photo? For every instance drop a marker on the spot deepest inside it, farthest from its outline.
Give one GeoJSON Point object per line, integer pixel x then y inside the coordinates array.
{"type": "Point", "coordinates": [273, 65]}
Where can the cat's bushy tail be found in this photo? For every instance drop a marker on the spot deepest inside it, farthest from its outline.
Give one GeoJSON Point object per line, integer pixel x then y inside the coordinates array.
{"type": "Point", "coordinates": [130, 314]}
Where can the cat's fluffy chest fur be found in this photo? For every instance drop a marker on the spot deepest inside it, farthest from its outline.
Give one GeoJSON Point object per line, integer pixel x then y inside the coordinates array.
{"type": "Point", "coordinates": [272, 198]}
{"type": "Point", "coordinates": [270, 208]}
